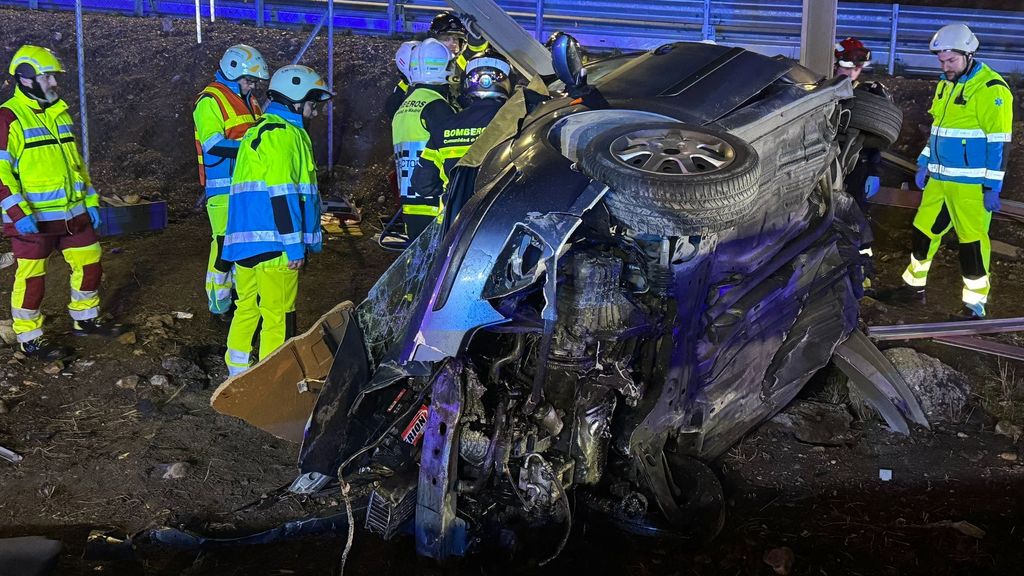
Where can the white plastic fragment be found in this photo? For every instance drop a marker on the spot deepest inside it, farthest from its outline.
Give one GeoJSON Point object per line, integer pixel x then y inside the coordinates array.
{"type": "Point", "coordinates": [884, 474]}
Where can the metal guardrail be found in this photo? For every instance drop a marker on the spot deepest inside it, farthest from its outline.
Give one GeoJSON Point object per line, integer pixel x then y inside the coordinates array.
{"type": "Point", "coordinates": [897, 34]}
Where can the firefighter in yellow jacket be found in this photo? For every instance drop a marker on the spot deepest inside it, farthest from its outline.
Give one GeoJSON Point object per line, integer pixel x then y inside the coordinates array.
{"type": "Point", "coordinates": [961, 169]}
{"type": "Point", "coordinates": [223, 111]}
{"type": "Point", "coordinates": [48, 203]}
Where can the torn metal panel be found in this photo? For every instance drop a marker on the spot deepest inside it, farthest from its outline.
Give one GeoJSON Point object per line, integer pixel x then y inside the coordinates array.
{"type": "Point", "coordinates": [525, 53]}
{"type": "Point", "coordinates": [436, 523]}
{"type": "Point", "coordinates": [955, 328]}
{"type": "Point", "coordinates": [979, 345]}
{"type": "Point", "coordinates": [278, 393]}
{"type": "Point", "coordinates": [878, 382]}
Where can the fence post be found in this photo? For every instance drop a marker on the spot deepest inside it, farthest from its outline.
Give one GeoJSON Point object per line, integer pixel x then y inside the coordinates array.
{"type": "Point", "coordinates": [330, 87]}
{"type": "Point", "coordinates": [80, 41]}
{"type": "Point", "coordinates": [707, 31]}
{"type": "Point", "coordinates": [892, 38]}
{"type": "Point", "coordinates": [391, 18]}
{"type": "Point", "coordinates": [538, 30]}
{"type": "Point", "coordinates": [259, 14]}
{"type": "Point", "coordinates": [139, 9]}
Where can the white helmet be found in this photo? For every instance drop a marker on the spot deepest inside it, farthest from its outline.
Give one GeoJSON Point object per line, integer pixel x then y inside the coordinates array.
{"type": "Point", "coordinates": [242, 60]}
{"type": "Point", "coordinates": [297, 83]}
{"type": "Point", "coordinates": [403, 58]}
{"type": "Point", "coordinates": [956, 37]}
{"type": "Point", "coordinates": [429, 64]}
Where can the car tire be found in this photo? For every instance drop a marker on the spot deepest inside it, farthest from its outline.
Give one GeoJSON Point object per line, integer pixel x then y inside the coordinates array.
{"type": "Point", "coordinates": [673, 179]}
{"type": "Point", "coordinates": [878, 119]}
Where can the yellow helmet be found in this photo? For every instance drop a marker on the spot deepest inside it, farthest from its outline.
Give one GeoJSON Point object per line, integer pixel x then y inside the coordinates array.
{"type": "Point", "coordinates": [36, 59]}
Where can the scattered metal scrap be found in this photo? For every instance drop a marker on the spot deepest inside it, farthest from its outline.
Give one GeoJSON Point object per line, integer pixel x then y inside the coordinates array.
{"type": "Point", "coordinates": [10, 456]}
{"type": "Point", "coordinates": [959, 334]}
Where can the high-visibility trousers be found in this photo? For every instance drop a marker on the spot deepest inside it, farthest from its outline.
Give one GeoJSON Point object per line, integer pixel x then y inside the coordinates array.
{"type": "Point", "coordinates": [950, 205]}
{"type": "Point", "coordinates": [266, 292]}
{"type": "Point", "coordinates": [418, 213]}
{"type": "Point", "coordinates": [219, 281]}
{"type": "Point", "coordinates": [81, 250]}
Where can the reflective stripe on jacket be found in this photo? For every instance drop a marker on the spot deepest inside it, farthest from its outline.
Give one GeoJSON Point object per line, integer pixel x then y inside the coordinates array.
{"type": "Point", "coordinates": [410, 129]}
{"type": "Point", "coordinates": [971, 128]}
{"type": "Point", "coordinates": [221, 118]}
{"type": "Point", "coordinates": [41, 170]}
{"type": "Point", "coordinates": [274, 205]}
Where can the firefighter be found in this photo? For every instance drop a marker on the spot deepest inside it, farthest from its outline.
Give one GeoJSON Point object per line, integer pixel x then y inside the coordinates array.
{"type": "Point", "coordinates": [403, 58]}
{"type": "Point", "coordinates": [426, 107]}
{"type": "Point", "coordinates": [222, 113]}
{"type": "Point", "coordinates": [487, 86]}
{"type": "Point", "coordinates": [48, 203]}
{"type": "Point", "coordinates": [273, 215]}
{"type": "Point", "coordinates": [864, 181]}
{"type": "Point", "coordinates": [961, 168]}
{"type": "Point", "coordinates": [463, 40]}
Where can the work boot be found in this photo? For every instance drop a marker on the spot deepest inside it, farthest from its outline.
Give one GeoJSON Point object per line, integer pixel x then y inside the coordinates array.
{"type": "Point", "coordinates": [970, 312]}
{"type": "Point", "coordinates": [41, 349]}
{"type": "Point", "coordinates": [94, 327]}
{"type": "Point", "coordinates": [905, 294]}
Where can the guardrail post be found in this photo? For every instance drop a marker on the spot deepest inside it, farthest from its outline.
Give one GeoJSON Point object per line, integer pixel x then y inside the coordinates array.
{"type": "Point", "coordinates": [33, 4]}
{"type": "Point", "coordinates": [139, 9]}
{"type": "Point", "coordinates": [707, 30]}
{"type": "Point", "coordinates": [892, 38]}
{"type": "Point", "coordinates": [330, 87]}
{"type": "Point", "coordinates": [391, 18]}
{"type": "Point", "coordinates": [259, 14]}
{"type": "Point", "coordinates": [80, 45]}
{"type": "Point", "coordinates": [538, 30]}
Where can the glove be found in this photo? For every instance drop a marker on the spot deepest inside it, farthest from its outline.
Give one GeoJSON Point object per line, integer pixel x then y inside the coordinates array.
{"type": "Point", "coordinates": [26, 225]}
{"type": "Point", "coordinates": [473, 34]}
{"type": "Point", "coordinates": [992, 200]}
{"type": "Point", "coordinates": [94, 215]}
{"type": "Point", "coordinates": [921, 178]}
{"type": "Point", "coordinates": [871, 186]}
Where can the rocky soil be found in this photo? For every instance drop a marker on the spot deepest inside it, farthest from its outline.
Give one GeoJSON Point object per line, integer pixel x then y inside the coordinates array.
{"type": "Point", "coordinates": [123, 438]}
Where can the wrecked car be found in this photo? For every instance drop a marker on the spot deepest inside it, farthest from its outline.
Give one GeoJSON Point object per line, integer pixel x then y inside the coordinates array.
{"type": "Point", "coordinates": [654, 256]}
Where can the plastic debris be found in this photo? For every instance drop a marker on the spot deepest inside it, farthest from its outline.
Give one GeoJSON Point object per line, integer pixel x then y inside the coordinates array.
{"type": "Point", "coordinates": [10, 456]}
{"type": "Point", "coordinates": [884, 474]}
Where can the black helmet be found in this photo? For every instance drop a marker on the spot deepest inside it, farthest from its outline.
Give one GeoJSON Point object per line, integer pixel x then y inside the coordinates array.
{"type": "Point", "coordinates": [487, 77]}
{"type": "Point", "coordinates": [446, 23]}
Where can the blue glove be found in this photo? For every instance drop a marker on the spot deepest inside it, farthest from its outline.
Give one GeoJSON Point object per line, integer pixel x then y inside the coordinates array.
{"type": "Point", "coordinates": [94, 215]}
{"type": "Point", "coordinates": [921, 178]}
{"type": "Point", "coordinates": [26, 225]}
{"type": "Point", "coordinates": [871, 186]}
{"type": "Point", "coordinates": [992, 200]}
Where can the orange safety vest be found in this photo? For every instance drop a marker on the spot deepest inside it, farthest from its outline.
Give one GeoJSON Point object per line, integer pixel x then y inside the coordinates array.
{"type": "Point", "coordinates": [237, 114]}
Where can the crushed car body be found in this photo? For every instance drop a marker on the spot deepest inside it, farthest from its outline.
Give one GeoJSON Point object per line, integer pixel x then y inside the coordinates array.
{"type": "Point", "coordinates": [654, 255]}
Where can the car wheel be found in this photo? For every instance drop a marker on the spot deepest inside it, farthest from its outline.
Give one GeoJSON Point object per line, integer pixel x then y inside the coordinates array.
{"type": "Point", "coordinates": [877, 118]}
{"type": "Point", "coordinates": [673, 179]}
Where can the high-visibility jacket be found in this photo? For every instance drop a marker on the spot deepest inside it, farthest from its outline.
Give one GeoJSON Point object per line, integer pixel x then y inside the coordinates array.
{"type": "Point", "coordinates": [221, 118]}
{"type": "Point", "coordinates": [395, 99]}
{"type": "Point", "coordinates": [468, 54]}
{"type": "Point", "coordinates": [426, 106]}
{"type": "Point", "coordinates": [274, 205]}
{"type": "Point", "coordinates": [971, 128]}
{"type": "Point", "coordinates": [449, 141]}
{"type": "Point", "coordinates": [41, 170]}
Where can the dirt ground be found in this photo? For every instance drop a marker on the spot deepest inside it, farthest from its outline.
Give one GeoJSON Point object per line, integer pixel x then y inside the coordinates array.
{"type": "Point", "coordinates": [96, 453]}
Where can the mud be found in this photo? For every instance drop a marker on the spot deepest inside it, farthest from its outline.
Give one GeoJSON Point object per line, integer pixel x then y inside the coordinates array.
{"type": "Point", "coordinates": [95, 454]}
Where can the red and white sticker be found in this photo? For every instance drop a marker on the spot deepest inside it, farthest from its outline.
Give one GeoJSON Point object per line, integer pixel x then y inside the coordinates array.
{"type": "Point", "coordinates": [414, 431]}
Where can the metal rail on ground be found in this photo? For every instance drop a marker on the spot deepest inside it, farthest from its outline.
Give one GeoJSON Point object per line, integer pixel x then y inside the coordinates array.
{"type": "Point", "coordinates": [942, 329]}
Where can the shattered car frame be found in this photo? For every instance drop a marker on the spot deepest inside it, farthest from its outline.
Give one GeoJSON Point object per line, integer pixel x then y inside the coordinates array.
{"type": "Point", "coordinates": [650, 264]}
